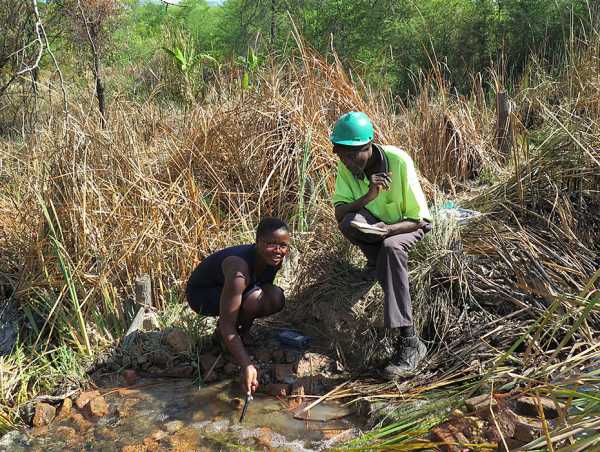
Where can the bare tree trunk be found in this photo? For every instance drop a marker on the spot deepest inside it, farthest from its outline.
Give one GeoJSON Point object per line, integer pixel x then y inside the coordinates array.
{"type": "Point", "coordinates": [273, 24]}
{"type": "Point", "coordinates": [100, 90]}
{"type": "Point", "coordinates": [503, 126]}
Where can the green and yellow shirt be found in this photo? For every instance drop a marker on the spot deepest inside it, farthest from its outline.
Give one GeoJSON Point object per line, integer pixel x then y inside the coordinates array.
{"type": "Point", "coordinates": [403, 201]}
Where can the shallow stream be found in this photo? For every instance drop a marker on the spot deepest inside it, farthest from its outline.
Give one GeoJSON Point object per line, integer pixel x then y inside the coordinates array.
{"type": "Point", "coordinates": [176, 415]}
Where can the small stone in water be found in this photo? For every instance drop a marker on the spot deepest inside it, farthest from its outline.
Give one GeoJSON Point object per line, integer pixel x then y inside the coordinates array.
{"type": "Point", "coordinates": [85, 397]}
{"type": "Point", "coordinates": [265, 437]}
{"type": "Point", "coordinates": [97, 407]}
{"type": "Point", "coordinates": [130, 376]}
{"type": "Point", "coordinates": [80, 422]}
{"type": "Point", "coordinates": [277, 389]}
{"type": "Point", "coordinates": [66, 432]}
{"type": "Point", "coordinates": [150, 443]}
{"type": "Point", "coordinates": [107, 433]}
{"type": "Point", "coordinates": [174, 426]}
{"type": "Point", "coordinates": [134, 448]}
{"type": "Point", "coordinates": [159, 434]}
{"type": "Point", "coordinates": [237, 403]}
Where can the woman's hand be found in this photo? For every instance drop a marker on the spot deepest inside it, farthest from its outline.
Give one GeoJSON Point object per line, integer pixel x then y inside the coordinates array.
{"type": "Point", "coordinates": [249, 379]}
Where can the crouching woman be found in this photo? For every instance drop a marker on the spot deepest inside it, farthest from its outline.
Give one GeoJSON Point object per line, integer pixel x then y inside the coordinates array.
{"type": "Point", "coordinates": [236, 285]}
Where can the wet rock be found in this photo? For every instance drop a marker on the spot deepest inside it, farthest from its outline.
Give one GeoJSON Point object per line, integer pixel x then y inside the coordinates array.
{"type": "Point", "coordinates": [262, 355]}
{"type": "Point", "coordinates": [283, 373]}
{"type": "Point", "coordinates": [174, 426]}
{"type": "Point", "coordinates": [279, 356]}
{"type": "Point", "coordinates": [85, 397]}
{"type": "Point", "coordinates": [80, 422]}
{"type": "Point", "coordinates": [130, 376]}
{"type": "Point", "coordinates": [124, 409]}
{"type": "Point", "coordinates": [134, 448]}
{"type": "Point", "coordinates": [277, 389]}
{"type": "Point", "coordinates": [237, 403]}
{"type": "Point", "coordinates": [527, 429]}
{"type": "Point", "coordinates": [528, 406]}
{"type": "Point", "coordinates": [338, 435]}
{"type": "Point", "coordinates": [97, 407]}
{"type": "Point", "coordinates": [265, 437]}
{"type": "Point", "coordinates": [151, 444]}
{"type": "Point", "coordinates": [65, 409]}
{"type": "Point", "coordinates": [44, 414]}
{"type": "Point", "coordinates": [107, 433]}
{"type": "Point", "coordinates": [159, 435]}
{"type": "Point", "coordinates": [207, 360]}
{"type": "Point", "coordinates": [178, 341]}
{"type": "Point", "coordinates": [68, 433]}
{"type": "Point", "coordinates": [187, 439]}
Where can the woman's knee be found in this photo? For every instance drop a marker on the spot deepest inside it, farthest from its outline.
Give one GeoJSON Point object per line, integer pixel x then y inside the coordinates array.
{"type": "Point", "coordinates": [273, 298]}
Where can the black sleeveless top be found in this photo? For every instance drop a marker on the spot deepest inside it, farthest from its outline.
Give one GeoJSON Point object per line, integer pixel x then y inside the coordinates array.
{"type": "Point", "coordinates": [209, 273]}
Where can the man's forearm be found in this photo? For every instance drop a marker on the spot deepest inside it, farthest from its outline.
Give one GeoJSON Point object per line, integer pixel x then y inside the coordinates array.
{"type": "Point", "coordinates": [341, 210]}
{"type": "Point", "coordinates": [403, 227]}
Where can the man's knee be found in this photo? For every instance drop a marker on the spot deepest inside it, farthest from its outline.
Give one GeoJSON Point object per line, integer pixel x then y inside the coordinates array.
{"type": "Point", "coordinates": [344, 226]}
{"type": "Point", "coordinates": [392, 245]}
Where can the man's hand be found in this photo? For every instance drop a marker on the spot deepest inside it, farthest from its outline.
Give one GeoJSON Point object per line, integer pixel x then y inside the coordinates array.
{"type": "Point", "coordinates": [377, 182]}
{"type": "Point", "coordinates": [249, 379]}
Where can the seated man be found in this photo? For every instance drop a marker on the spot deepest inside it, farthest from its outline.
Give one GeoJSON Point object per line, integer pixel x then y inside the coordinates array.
{"type": "Point", "coordinates": [236, 284]}
{"type": "Point", "coordinates": [381, 208]}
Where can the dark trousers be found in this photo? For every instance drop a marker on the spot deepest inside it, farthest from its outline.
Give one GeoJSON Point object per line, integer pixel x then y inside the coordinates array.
{"type": "Point", "coordinates": [390, 257]}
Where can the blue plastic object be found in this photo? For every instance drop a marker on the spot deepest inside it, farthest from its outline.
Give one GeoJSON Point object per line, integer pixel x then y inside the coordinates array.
{"type": "Point", "coordinates": [293, 339]}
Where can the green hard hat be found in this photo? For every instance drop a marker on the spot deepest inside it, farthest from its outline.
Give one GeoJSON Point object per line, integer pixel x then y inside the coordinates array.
{"type": "Point", "coordinates": [352, 129]}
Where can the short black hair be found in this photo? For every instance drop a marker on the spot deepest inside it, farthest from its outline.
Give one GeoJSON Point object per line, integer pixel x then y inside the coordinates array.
{"type": "Point", "coordinates": [270, 224]}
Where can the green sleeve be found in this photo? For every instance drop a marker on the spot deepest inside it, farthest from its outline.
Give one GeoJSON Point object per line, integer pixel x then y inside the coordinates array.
{"type": "Point", "coordinates": [343, 193]}
{"type": "Point", "coordinates": [415, 204]}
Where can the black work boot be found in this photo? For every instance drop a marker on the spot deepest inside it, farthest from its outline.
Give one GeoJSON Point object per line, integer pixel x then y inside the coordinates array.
{"type": "Point", "coordinates": [407, 358]}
